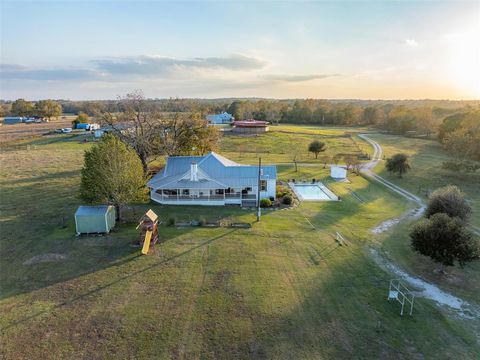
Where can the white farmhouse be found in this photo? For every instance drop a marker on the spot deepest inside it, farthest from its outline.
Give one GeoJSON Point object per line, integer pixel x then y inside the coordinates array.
{"type": "Point", "coordinates": [211, 180]}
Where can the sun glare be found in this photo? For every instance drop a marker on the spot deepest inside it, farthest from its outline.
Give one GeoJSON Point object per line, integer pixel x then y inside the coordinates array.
{"type": "Point", "coordinates": [464, 54]}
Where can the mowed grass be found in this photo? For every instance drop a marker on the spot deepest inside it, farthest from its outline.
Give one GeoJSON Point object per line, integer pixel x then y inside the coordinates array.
{"type": "Point", "coordinates": [282, 289]}
{"type": "Point", "coordinates": [426, 175]}
{"type": "Point", "coordinates": [279, 145]}
{"type": "Point", "coordinates": [426, 157]}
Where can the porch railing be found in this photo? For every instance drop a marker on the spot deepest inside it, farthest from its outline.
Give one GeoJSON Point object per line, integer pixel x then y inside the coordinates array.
{"type": "Point", "coordinates": [233, 196]}
{"type": "Point", "coordinates": [167, 198]}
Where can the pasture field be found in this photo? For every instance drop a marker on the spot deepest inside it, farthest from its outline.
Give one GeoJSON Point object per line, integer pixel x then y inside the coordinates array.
{"type": "Point", "coordinates": [279, 145]}
{"type": "Point", "coordinates": [426, 157]}
{"type": "Point", "coordinates": [15, 132]}
{"type": "Point", "coordinates": [282, 289]}
{"type": "Point", "coordinates": [426, 175]}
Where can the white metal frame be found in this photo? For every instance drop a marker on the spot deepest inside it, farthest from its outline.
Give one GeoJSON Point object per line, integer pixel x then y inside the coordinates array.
{"type": "Point", "coordinates": [398, 291]}
{"type": "Point", "coordinates": [339, 238]}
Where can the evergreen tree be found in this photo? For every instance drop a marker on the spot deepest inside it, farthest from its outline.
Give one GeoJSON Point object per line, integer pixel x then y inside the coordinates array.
{"type": "Point", "coordinates": [112, 174]}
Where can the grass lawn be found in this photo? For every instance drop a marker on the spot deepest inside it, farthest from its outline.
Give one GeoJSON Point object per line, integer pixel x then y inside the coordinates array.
{"type": "Point", "coordinates": [426, 175]}
{"type": "Point", "coordinates": [278, 145]}
{"type": "Point", "coordinates": [279, 290]}
{"type": "Point", "coordinates": [426, 158]}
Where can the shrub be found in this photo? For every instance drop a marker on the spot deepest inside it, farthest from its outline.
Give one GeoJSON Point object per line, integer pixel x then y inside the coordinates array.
{"type": "Point", "coordinates": [171, 221]}
{"type": "Point", "coordinates": [445, 240]}
{"type": "Point", "coordinates": [449, 200]}
{"type": "Point", "coordinates": [264, 203]}
{"type": "Point", "coordinates": [287, 200]}
{"type": "Point", "coordinates": [452, 166]}
{"type": "Point", "coordinates": [281, 191]}
{"type": "Point", "coordinates": [464, 166]}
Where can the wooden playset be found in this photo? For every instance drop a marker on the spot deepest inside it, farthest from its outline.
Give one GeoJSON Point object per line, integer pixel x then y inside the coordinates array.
{"type": "Point", "coordinates": [148, 226]}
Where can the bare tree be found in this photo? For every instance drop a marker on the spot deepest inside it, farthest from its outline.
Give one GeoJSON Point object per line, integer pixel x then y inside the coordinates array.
{"type": "Point", "coordinates": [295, 153]}
{"type": "Point", "coordinates": [349, 160]}
{"type": "Point", "coordinates": [136, 125]}
{"type": "Point", "coordinates": [325, 160]}
{"type": "Point", "coordinates": [336, 158]}
{"type": "Point", "coordinates": [150, 132]}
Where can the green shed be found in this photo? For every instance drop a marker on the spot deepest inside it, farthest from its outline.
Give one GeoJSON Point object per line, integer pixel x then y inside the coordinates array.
{"type": "Point", "coordinates": [95, 219]}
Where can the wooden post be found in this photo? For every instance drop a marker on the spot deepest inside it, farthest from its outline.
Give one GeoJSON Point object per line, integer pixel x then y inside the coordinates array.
{"type": "Point", "coordinates": [258, 188]}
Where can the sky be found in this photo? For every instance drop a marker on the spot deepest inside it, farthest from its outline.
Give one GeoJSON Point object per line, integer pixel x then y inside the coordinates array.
{"type": "Point", "coordinates": [333, 50]}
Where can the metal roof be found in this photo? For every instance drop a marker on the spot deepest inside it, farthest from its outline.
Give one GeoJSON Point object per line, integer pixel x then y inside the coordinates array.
{"type": "Point", "coordinates": [220, 118]}
{"type": "Point", "coordinates": [250, 123]}
{"type": "Point", "coordinates": [92, 210]}
{"type": "Point", "coordinates": [214, 171]}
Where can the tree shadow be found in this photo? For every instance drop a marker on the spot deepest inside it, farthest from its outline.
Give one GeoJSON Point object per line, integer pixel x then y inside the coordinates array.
{"type": "Point", "coordinates": [120, 279]}
{"type": "Point", "coordinates": [38, 228]}
{"type": "Point", "coordinates": [38, 179]}
{"type": "Point", "coordinates": [345, 314]}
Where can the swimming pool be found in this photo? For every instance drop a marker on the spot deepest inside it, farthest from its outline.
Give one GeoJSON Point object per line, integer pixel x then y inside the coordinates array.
{"type": "Point", "coordinates": [313, 192]}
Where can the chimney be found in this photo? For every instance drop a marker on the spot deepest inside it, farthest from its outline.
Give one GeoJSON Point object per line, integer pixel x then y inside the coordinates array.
{"type": "Point", "coordinates": [194, 172]}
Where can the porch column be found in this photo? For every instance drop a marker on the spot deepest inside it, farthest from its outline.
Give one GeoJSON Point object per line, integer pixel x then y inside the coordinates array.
{"type": "Point", "coordinates": [178, 192]}
{"type": "Point", "coordinates": [208, 192]}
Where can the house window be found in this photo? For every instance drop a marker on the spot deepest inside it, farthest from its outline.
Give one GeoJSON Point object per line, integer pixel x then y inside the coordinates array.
{"type": "Point", "coordinates": [185, 192]}
{"type": "Point", "coordinates": [263, 185]}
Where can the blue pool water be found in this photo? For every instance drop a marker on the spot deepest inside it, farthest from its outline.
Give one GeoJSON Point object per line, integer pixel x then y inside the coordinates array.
{"type": "Point", "coordinates": [312, 192]}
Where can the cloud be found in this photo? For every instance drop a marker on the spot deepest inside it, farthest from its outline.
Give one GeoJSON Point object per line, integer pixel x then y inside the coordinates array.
{"type": "Point", "coordinates": [298, 77]}
{"type": "Point", "coordinates": [141, 66]}
{"type": "Point", "coordinates": [160, 65]}
{"type": "Point", "coordinates": [18, 72]}
{"type": "Point", "coordinates": [411, 42]}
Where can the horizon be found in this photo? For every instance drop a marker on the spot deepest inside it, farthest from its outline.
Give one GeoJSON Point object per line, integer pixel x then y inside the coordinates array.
{"type": "Point", "coordinates": [376, 51]}
{"type": "Point", "coordinates": [246, 98]}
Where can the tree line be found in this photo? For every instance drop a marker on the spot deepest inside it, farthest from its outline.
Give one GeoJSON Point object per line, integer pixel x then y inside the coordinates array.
{"type": "Point", "coordinates": [460, 134]}
{"type": "Point", "coordinates": [456, 123]}
{"type": "Point", "coordinates": [46, 109]}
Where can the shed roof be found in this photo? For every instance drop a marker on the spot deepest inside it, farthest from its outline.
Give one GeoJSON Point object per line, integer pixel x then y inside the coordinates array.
{"type": "Point", "coordinates": [99, 210]}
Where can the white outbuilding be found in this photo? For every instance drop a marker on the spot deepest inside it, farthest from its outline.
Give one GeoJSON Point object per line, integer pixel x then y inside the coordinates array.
{"type": "Point", "coordinates": [338, 172]}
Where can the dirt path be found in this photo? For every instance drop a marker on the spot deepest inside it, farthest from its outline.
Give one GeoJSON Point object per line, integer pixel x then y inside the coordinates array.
{"type": "Point", "coordinates": [426, 289]}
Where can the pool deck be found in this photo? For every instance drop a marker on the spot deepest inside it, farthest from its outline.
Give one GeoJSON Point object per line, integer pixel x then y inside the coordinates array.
{"type": "Point", "coordinates": [321, 186]}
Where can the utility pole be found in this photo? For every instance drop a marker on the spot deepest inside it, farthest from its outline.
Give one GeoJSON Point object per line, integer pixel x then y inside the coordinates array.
{"type": "Point", "coordinates": [259, 212]}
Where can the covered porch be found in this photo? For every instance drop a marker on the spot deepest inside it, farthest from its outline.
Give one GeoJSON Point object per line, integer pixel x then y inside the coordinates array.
{"type": "Point", "coordinates": [244, 197]}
